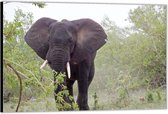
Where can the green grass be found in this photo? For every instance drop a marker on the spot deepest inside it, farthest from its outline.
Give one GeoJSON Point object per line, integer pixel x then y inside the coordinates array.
{"type": "Point", "coordinates": [106, 101]}
{"type": "Point", "coordinates": [134, 101]}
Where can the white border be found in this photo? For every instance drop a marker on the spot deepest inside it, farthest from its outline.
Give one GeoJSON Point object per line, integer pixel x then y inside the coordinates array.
{"type": "Point", "coordinates": [99, 1]}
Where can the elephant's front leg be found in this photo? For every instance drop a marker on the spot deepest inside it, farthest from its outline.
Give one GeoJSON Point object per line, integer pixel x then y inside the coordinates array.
{"type": "Point", "coordinates": [83, 95]}
{"type": "Point", "coordinates": [82, 99]}
{"type": "Point", "coordinates": [70, 86]}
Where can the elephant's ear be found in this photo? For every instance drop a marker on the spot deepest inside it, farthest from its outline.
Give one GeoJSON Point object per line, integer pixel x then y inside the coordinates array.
{"type": "Point", "coordinates": [90, 37]}
{"type": "Point", "coordinates": [38, 35]}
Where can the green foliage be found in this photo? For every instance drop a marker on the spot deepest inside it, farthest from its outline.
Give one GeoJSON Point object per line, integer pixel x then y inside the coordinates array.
{"type": "Point", "coordinates": [16, 52]}
{"type": "Point", "coordinates": [153, 95]}
{"type": "Point", "coordinates": [96, 105]}
{"type": "Point", "coordinates": [63, 94]}
{"type": "Point", "coordinates": [13, 50]}
{"type": "Point", "coordinates": [133, 57]}
{"type": "Point", "coordinates": [139, 50]}
{"type": "Point", "coordinates": [124, 81]}
{"type": "Point", "coordinates": [149, 97]}
{"type": "Point", "coordinates": [39, 4]}
{"type": "Point", "coordinates": [150, 21]}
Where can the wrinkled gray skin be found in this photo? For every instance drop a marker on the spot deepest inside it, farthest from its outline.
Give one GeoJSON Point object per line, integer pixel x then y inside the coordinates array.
{"type": "Point", "coordinates": [69, 41]}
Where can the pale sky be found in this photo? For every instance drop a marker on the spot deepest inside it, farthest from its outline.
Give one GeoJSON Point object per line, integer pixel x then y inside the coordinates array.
{"type": "Point", "coordinates": [117, 13]}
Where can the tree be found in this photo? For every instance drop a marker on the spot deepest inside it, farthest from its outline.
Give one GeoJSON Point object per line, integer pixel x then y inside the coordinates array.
{"type": "Point", "coordinates": [24, 61]}
{"type": "Point", "coordinates": [150, 22]}
{"type": "Point", "coordinates": [138, 51]}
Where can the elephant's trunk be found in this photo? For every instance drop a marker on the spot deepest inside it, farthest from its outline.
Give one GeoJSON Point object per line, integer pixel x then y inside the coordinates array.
{"type": "Point", "coordinates": [58, 66]}
{"type": "Point", "coordinates": [67, 68]}
{"type": "Point", "coordinates": [58, 60]}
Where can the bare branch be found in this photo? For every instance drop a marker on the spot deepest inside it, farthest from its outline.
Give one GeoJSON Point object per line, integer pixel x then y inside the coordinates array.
{"type": "Point", "coordinates": [20, 80]}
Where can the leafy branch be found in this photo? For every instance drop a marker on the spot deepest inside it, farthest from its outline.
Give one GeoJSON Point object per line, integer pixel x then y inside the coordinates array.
{"type": "Point", "coordinates": [39, 4]}
{"type": "Point", "coordinates": [29, 72]}
{"type": "Point", "coordinates": [64, 101]}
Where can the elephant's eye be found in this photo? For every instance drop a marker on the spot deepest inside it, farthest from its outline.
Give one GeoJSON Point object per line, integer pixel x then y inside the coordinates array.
{"type": "Point", "coordinates": [70, 40]}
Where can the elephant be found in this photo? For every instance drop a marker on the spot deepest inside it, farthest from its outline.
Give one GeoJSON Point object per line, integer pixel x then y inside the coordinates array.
{"type": "Point", "coordinates": [68, 47]}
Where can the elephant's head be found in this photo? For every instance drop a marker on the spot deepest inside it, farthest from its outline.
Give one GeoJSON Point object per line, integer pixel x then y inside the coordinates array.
{"type": "Point", "coordinates": [65, 41]}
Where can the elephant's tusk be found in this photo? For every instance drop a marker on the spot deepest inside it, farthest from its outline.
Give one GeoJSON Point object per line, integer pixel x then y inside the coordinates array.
{"type": "Point", "coordinates": [106, 40]}
{"type": "Point", "coordinates": [68, 70]}
{"type": "Point", "coordinates": [44, 64]}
